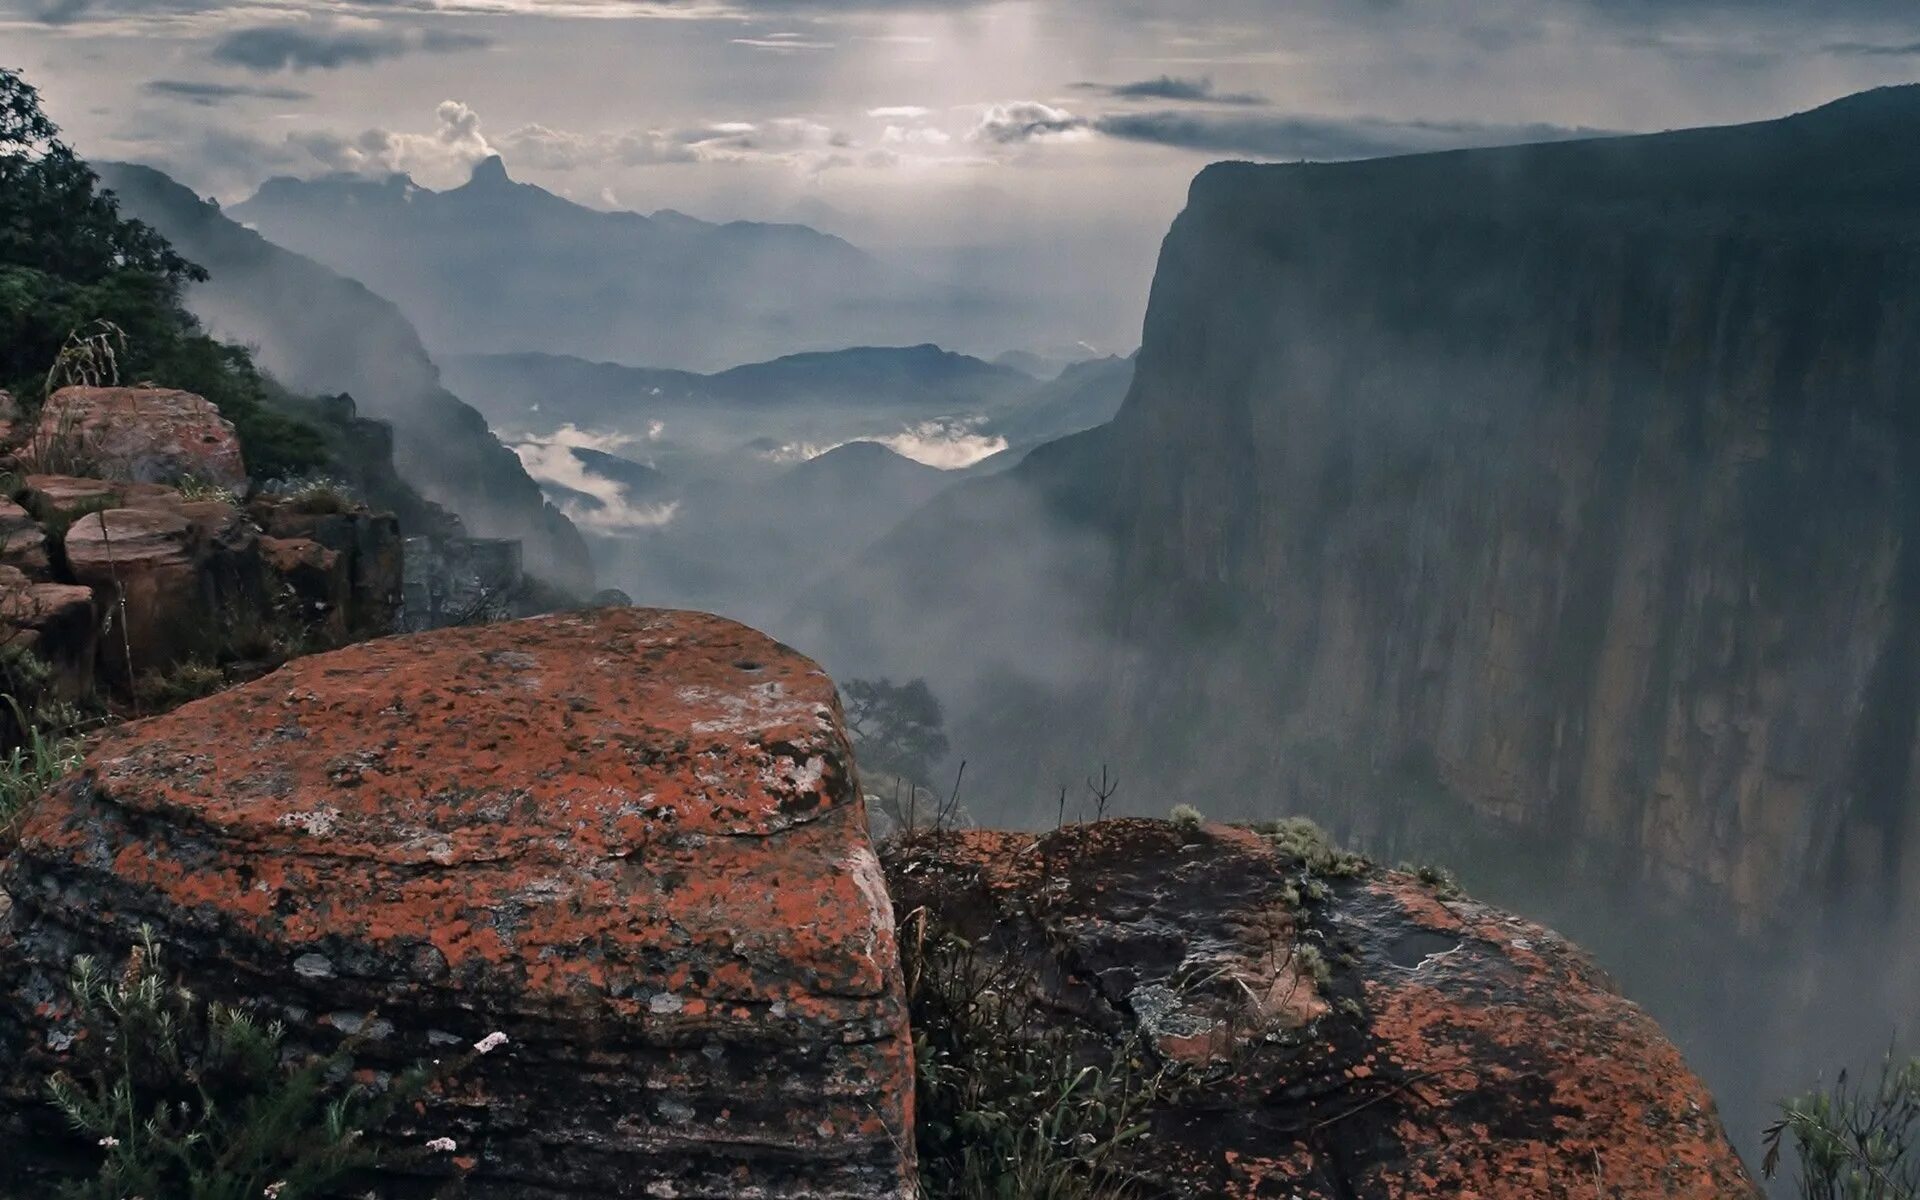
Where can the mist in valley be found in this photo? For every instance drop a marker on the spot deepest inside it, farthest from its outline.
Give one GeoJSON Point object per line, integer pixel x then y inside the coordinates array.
{"type": "Point", "coordinates": [1550, 516]}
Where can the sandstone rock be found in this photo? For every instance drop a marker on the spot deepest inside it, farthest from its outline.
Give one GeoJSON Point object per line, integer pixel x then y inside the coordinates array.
{"type": "Point", "coordinates": [140, 435]}
{"type": "Point", "coordinates": [10, 422]}
{"type": "Point", "coordinates": [1439, 1049]}
{"type": "Point", "coordinates": [57, 623]}
{"type": "Point", "coordinates": [23, 544]}
{"type": "Point", "coordinates": [61, 499]}
{"type": "Point", "coordinates": [629, 840]}
{"type": "Point", "coordinates": [183, 567]}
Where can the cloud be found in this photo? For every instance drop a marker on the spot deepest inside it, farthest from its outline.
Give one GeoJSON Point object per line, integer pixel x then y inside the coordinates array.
{"type": "Point", "coordinates": [1169, 87]}
{"type": "Point", "coordinates": [586, 497]}
{"type": "Point", "coordinates": [899, 112]}
{"type": "Point", "coordinates": [1872, 49]}
{"type": "Point", "coordinates": [1026, 121]}
{"type": "Point", "coordinates": [446, 155]}
{"type": "Point", "coordinates": [209, 94]}
{"type": "Point", "coordinates": [1319, 138]}
{"type": "Point", "coordinates": [782, 43]}
{"type": "Point", "coordinates": [326, 47]}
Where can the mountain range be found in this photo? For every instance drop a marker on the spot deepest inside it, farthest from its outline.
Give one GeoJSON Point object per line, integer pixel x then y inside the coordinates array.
{"type": "Point", "coordinates": [319, 332]}
{"type": "Point", "coordinates": [495, 266]}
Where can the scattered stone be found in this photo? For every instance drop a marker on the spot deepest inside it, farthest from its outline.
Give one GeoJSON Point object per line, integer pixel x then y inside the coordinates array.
{"type": "Point", "coordinates": [629, 841]}
{"type": "Point", "coordinates": [138, 435]}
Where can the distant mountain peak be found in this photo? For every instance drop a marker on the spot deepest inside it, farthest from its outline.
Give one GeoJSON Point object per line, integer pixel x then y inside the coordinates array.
{"type": "Point", "coordinates": [489, 172]}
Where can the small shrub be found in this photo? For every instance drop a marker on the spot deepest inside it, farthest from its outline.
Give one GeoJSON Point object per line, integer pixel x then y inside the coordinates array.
{"type": "Point", "coordinates": [192, 487]}
{"type": "Point", "coordinates": [1853, 1142]}
{"type": "Point", "coordinates": [1012, 1105]}
{"type": "Point", "coordinates": [200, 1101]}
{"type": "Point", "coordinates": [1441, 880]}
{"type": "Point", "coordinates": [320, 496]}
{"type": "Point", "coordinates": [1187, 817]}
{"type": "Point", "coordinates": [1300, 838]}
{"type": "Point", "coordinates": [158, 691]}
{"type": "Point", "coordinates": [45, 753]}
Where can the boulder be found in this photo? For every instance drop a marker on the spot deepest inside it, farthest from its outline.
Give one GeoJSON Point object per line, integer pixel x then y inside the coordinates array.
{"type": "Point", "coordinates": [368, 543]}
{"type": "Point", "coordinates": [57, 624]}
{"type": "Point", "coordinates": [628, 840]}
{"type": "Point", "coordinates": [23, 544]}
{"type": "Point", "coordinates": [1330, 1030]}
{"type": "Point", "coordinates": [316, 578]}
{"type": "Point", "coordinates": [139, 435]}
{"type": "Point", "coordinates": [177, 572]}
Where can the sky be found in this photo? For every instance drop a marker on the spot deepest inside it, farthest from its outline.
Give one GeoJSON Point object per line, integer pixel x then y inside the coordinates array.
{"type": "Point", "coordinates": [1047, 138]}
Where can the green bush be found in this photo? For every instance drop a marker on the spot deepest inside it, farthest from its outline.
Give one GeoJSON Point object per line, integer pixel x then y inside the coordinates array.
{"type": "Point", "coordinates": [199, 1101]}
{"type": "Point", "coordinates": [43, 752]}
{"type": "Point", "coordinates": [1853, 1142]}
{"type": "Point", "coordinates": [1011, 1105]}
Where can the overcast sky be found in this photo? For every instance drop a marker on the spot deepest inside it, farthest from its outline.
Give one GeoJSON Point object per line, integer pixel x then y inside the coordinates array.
{"type": "Point", "coordinates": [1064, 130]}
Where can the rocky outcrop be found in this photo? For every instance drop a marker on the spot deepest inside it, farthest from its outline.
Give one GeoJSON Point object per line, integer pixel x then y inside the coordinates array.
{"type": "Point", "coordinates": [181, 573]}
{"type": "Point", "coordinates": [629, 841]}
{"type": "Point", "coordinates": [1336, 1033]}
{"type": "Point", "coordinates": [138, 434]}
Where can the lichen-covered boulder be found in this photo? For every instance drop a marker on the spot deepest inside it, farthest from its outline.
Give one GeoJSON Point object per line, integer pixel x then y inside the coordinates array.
{"type": "Point", "coordinates": [138, 434]}
{"type": "Point", "coordinates": [629, 840]}
{"type": "Point", "coordinates": [1328, 1030]}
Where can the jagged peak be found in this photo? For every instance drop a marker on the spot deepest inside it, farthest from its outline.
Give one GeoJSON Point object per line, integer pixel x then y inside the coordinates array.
{"type": "Point", "coordinates": [489, 171]}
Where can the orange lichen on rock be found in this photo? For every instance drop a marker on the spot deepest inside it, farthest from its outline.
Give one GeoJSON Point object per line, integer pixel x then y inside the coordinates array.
{"type": "Point", "coordinates": [630, 840]}
{"type": "Point", "coordinates": [1428, 1048]}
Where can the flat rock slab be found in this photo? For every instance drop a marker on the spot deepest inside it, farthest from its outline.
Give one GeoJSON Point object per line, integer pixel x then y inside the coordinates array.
{"type": "Point", "coordinates": [630, 840]}
{"type": "Point", "coordinates": [1441, 1048]}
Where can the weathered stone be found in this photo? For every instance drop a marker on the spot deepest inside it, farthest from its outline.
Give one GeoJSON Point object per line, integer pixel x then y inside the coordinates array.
{"type": "Point", "coordinates": [1425, 1047]}
{"type": "Point", "coordinates": [57, 623]}
{"type": "Point", "coordinates": [140, 435]}
{"type": "Point", "coordinates": [172, 570]}
{"type": "Point", "coordinates": [629, 840]}
{"type": "Point", "coordinates": [23, 544]}
{"type": "Point", "coordinates": [62, 499]}
{"type": "Point", "coordinates": [318, 579]}
{"type": "Point", "coordinates": [368, 542]}
{"type": "Point", "coordinates": [11, 426]}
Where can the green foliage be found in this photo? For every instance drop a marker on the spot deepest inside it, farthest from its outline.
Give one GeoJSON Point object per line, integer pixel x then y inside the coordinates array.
{"type": "Point", "coordinates": [1187, 817]}
{"type": "Point", "coordinates": [1853, 1142]}
{"type": "Point", "coordinates": [898, 729]}
{"type": "Point", "coordinates": [1011, 1106]}
{"type": "Point", "coordinates": [200, 1101]}
{"type": "Point", "coordinates": [321, 495]}
{"type": "Point", "coordinates": [1300, 838]}
{"type": "Point", "coordinates": [43, 751]}
{"type": "Point", "coordinates": [70, 263]}
{"type": "Point", "coordinates": [1441, 880]}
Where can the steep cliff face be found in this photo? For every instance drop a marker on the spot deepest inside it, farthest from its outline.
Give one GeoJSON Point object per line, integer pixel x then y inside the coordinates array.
{"type": "Point", "coordinates": [1584, 473]}
{"type": "Point", "coordinates": [1547, 511]}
